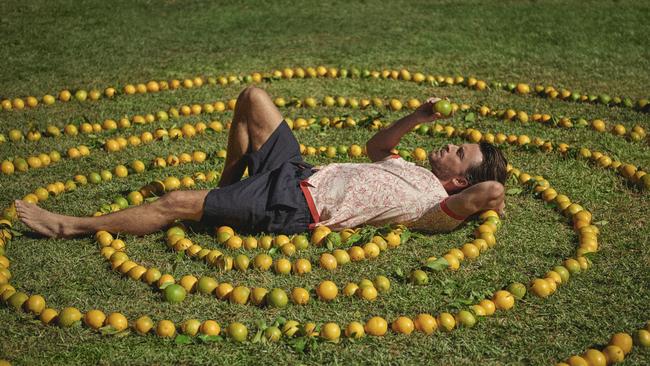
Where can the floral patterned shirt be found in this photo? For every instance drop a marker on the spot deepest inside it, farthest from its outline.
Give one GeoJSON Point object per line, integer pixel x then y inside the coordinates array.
{"type": "Point", "coordinates": [346, 195]}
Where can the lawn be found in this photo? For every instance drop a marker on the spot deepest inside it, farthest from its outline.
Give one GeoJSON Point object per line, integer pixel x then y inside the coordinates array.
{"type": "Point", "coordinates": [593, 47]}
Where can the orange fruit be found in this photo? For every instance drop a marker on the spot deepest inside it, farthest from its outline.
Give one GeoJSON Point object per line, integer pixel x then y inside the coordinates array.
{"type": "Point", "coordinates": [376, 326]}
{"type": "Point", "coordinates": [151, 276]}
{"type": "Point", "coordinates": [258, 295]}
{"type": "Point", "coordinates": [241, 262]}
{"type": "Point", "coordinates": [266, 242]}
{"type": "Point", "coordinates": [503, 300]}
{"type": "Point", "coordinates": [393, 240]}
{"type": "Point", "coordinates": [371, 250]}
{"type": "Point", "coordinates": [328, 261]}
{"type": "Point", "coordinates": [234, 242]}
{"type": "Point", "coordinates": [223, 290]}
{"type": "Point", "coordinates": [188, 282]}
{"type": "Point", "coordinates": [301, 265]}
{"type": "Point", "coordinates": [403, 325]}
{"type": "Point", "coordinates": [288, 249]}
{"type": "Point", "coordinates": [446, 321]}
{"type": "Point", "coordinates": [281, 240]}
{"type": "Point", "coordinates": [540, 287]}
{"type": "Point", "coordinates": [282, 266]}
{"type": "Point", "coordinates": [165, 329]}
{"type": "Point", "coordinates": [452, 260]}
{"type": "Point", "coordinates": [622, 340]}
{"type": "Point", "coordinates": [94, 319]}
{"type": "Point", "coordinates": [350, 289]}
{"type": "Point", "coordinates": [34, 304]}
{"type": "Point", "coordinates": [356, 253]}
{"type": "Point", "coordinates": [594, 357]}
{"type": "Point", "coordinates": [300, 296]}
{"type": "Point", "coordinates": [330, 332]}
{"type": "Point", "coordinates": [69, 316]}
{"type": "Point", "coordinates": [470, 251]}
{"type": "Point", "coordinates": [613, 354]}
{"type": "Point", "coordinates": [577, 361]}
{"type": "Point", "coordinates": [250, 242]}
{"type": "Point", "coordinates": [489, 306]}
{"type": "Point", "coordinates": [327, 290]}
{"type": "Point", "coordinates": [367, 293]}
{"type": "Point", "coordinates": [239, 295]}
{"type": "Point", "coordinates": [263, 261]}
{"type": "Point", "coordinates": [48, 315]}
{"type": "Point", "coordinates": [210, 327]}
{"type": "Point", "coordinates": [117, 321]}
{"type": "Point", "coordinates": [425, 323]}
{"type": "Point", "coordinates": [354, 330]}
{"type": "Point", "coordinates": [478, 310]}
{"type": "Point", "coordinates": [143, 325]}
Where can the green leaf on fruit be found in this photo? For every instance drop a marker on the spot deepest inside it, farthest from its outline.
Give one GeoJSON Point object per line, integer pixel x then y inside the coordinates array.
{"type": "Point", "coordinates": [514, 191]}
{"type": "Point", "coordinates": [438, 264]}
{"type": "Point", "coordinates": [209, 338]}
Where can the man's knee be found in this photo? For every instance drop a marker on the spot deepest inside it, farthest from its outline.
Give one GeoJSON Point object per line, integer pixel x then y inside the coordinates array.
{"type": "Point", "coordinates": [184, 204]}
{"type": "Point", "coordinates": [253, 96]}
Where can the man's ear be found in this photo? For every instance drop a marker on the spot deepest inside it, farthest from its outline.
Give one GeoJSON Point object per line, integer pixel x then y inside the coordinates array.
{"type": "Point", "coordinates": [460, 182]}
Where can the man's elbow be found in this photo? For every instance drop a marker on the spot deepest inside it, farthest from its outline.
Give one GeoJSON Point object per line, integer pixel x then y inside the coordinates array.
{"type": "Point", "coordinates": [495, 189]}
{"type": "Point", "coordinates": [495, 193]}
{"type": "Point", "coordinates": [372, 152]}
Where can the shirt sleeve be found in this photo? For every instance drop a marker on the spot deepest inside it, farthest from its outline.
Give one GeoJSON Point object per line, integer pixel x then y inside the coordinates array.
{"type": "Point", "coordinates": [441, 219]}
{"type": "Point", "coordinates": [389, 158]}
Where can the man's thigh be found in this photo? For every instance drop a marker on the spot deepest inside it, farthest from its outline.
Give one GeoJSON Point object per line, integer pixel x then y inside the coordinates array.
{"type": "Point", "coordinates": [280, 147]}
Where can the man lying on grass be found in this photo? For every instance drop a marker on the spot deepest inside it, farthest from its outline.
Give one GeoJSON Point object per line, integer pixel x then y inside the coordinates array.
{"type": "Point", "coordinates": [286, 195]}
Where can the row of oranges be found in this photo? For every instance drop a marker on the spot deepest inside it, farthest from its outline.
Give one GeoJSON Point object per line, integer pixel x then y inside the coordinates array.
{"type": "Point", "coordinates": [473, 83]}
{"type": "Point", "coordinates": [619, 346]}
{"type": "Point", "coordinates": [635, 133]}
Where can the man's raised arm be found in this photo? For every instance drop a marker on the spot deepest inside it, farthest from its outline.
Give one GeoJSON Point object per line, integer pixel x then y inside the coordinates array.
{"type": "Point", "coordinates": [380, 145]}
{"type": "Point", "coordinates": [488, 195]}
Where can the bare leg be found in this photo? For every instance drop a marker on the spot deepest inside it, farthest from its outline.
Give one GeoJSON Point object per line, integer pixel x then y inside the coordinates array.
{"type": "Point", "coordinates": [255, 119]}
{"type": "Point", "coordinates": [140, 220]}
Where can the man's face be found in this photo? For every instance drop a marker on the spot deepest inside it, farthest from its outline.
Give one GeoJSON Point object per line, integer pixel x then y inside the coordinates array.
{"type": "Point", "coordinates": [452, 161]}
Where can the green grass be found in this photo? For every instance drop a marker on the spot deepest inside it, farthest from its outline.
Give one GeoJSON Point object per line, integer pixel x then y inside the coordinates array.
{"type": "Point", "coordinates": [596, 47]}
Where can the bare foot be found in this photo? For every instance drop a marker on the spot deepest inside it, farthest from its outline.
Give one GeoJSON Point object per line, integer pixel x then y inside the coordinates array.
{"type": "Point", "coordinates": [42, 221]}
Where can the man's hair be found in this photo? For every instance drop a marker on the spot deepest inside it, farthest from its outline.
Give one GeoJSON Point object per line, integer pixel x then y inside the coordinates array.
{"type": "Point", "coordinates": [493, 166]}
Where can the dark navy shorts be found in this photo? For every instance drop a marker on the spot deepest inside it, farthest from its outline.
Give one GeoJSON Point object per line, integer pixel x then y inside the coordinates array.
{"type": "Point", "coordinates": [270, 200]}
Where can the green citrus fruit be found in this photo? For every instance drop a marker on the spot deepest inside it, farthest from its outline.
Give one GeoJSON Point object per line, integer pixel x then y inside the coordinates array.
{"type": "Point", "coordinates": [272, 334]}
{"type": "Point", "coordinates": [277, 298]}
{"type": "Point", "coordinates": [466, 319]}
{"type": "Point", "coordinates": [517, 289]}
{"type": "Point", "coordinates": [206, 285]}
{"type": "Point", "coordinates": [17, 300]}
{"type": "Point", "coordinates": [419, 277]}
{"type": "Point", "coordinates": [443, 107]}
{"type": "Point", "coordinates": [174, 293]}
{"type": "Point", "coordinates": [237, 331]}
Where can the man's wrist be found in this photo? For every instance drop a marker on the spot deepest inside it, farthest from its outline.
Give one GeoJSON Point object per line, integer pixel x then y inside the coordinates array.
{"type": "Point", "coordinates": [418, 118]}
